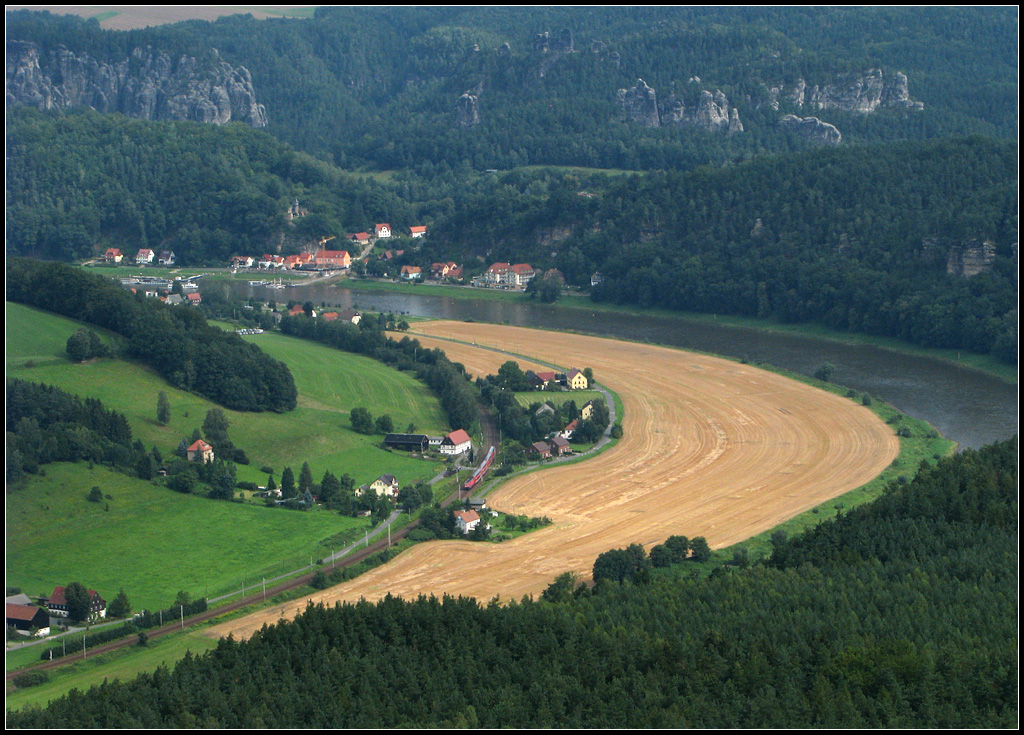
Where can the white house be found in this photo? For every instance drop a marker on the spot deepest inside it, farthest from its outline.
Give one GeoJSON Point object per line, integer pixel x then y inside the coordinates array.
{"type": "Point", "coordinates": [456, 442]}
{"type": "Point", "coordinates": [144, 256]}
{"type": "Point", "coordinates": [466, 520]}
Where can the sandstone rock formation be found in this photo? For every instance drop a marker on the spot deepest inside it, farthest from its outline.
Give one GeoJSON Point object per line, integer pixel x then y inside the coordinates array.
{"type": "Point", "coordinates": [861, 93]}
{"type": "Point", "coordinates": [709, 111]}
{"type": "Point", "coordinates": [971, 257]}
{"type": "Point", "coordinates": [640, 105]}
{"type": "Point", "coordinates": [467, 112]}
{"type": "Point", "coordinates": [812, 129]}
{"type": "Point", "coordinates": [148, 85]}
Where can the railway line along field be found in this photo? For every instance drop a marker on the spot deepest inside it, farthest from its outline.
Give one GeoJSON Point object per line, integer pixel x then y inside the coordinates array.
{"type": "Point", "coordinates": [711, 448]}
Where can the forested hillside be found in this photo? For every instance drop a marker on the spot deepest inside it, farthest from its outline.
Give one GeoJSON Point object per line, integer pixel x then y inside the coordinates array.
{"type": "Point", "coordinates": [390, 79]}
{"type": "Point", "coordinates": [894, 214]}
{"type": "Point", "coordinates": [901, 613]}
{"type": "Point", "coordinates": [868, 239]}
{"type": "Point", "coordinates": [81, 182]}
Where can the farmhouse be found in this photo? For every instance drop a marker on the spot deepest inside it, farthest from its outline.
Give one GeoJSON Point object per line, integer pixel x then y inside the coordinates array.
{"type": "Point", "coordinates": [587, 411]}
{"type": "Point", "coordinates": [58, 604]}
{"type": "Point", "coordinates": [456, 442]}
{"type": "Point", "coordinates": [144, 256]}
{"type": "Point", "coordinates": [411, 273]}
{"type": "Point", "coordinates": [27, 617]}
{"type": "Point", "coordinates": [576, 380]}
{"type": "Point", "coordinates": [361, 238]}
{"type": "Point", "coordinates": [407, 442]}
{"type": "Point", "coordinates": [386, 485]}
{"type": "Point", "coordinates": [200, 451]}
{"type": "Point", "coordinates": [466, 520]}
{"type": "Point", "coordinates": [540, 380]}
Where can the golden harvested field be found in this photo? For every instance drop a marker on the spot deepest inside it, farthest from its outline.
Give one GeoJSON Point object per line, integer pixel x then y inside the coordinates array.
{"type": "Point", "coordinates": [711, 448]}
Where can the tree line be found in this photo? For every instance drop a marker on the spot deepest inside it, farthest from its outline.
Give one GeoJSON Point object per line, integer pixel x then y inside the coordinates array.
{"type": "Point", "coordinates": [898, 613]}
{"type": "Point", "coordinates": [175, 341]}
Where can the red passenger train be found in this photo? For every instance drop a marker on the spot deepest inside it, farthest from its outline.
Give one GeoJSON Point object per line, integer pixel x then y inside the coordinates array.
{"type": "Point", "coordinates": [481, 470]}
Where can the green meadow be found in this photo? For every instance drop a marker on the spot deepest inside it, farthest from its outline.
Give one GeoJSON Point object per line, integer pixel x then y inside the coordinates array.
{"type": "Point", "coordinates": [153, 541]}
{"type": "Point", "coordinates": [330, 384]}
{"type": "Point", "coordinates": [557, 398]}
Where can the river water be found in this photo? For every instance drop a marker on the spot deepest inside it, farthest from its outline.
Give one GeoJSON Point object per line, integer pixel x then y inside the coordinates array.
{"type": "Point", "coordinates": [966, 406]}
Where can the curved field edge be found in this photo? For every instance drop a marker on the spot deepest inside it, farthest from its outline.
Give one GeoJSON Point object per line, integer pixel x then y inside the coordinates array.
{"type": "Point", "coordinates": [981, 363]}
{"type": "Point", "coordinates": [918, 445]}
{"type": "Point", "coordinates": [605, 514]}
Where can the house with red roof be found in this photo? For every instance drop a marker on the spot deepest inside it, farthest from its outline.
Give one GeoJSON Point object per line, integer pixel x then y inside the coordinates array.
{"type": "Point", "coordinates": [411, 273]}
{"type": "Point", "coordinates": [144, 256]}
{"type": "Point", "coordinates": [456, 442]}
{"type": "Point", "coordinates": [540, 380]}
{"type": "Point", "coordinates": [200, 451]}
{"type": "Point", "coordinates": [466, 520]}
{"type": "Point", "coordinates": [193, 298]}
{"type": "Point", "coordinates": [382, 230]}
{"type": "Point", "coordinates": [418, 230]}
{"type": "Point", "coordinates": [361, 238]}
{"type": "Point", "coordinates": [58, 604]}
{"type": "Point", "coordinates": [507, 275]}
{"type": "Point", "coordinates": [113, 255]}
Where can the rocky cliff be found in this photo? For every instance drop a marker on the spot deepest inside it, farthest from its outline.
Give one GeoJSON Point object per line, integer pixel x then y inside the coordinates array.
{"type": "Point", "coordinates": [812, 129]}
{"type": "Point", "coordinates": [861, 93]}
{"type": "Point", "coordinates": [467, 112]}
{"type": "Point", "coordinates": [707, 110]}
{"type": "Point", "coordinates": [149, 85]}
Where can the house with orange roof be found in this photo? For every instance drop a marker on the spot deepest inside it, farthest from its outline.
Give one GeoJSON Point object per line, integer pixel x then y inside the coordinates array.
{"type": "Point", "coordinates": [332, 259]}
{"type": "Point", "coordinates": [382, 230]}
{"type": "Point", "coordinates": [418, 230]}
{"type": "Point", "coordinates": [200, 451]}
{"type": "Point", "coordinates": [466, 520]}
{"type": "Point", "coordinates": [411, 273]}
{"type": "Point", "coordinates": [113, 255]}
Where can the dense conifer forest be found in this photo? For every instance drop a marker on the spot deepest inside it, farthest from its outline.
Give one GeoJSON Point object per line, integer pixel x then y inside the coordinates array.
{"type": "Point", "coordinates": [901, 613]}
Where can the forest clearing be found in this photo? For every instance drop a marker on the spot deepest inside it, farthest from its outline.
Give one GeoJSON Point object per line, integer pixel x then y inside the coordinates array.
{"type": "Point", "coordinates": [711, 447]}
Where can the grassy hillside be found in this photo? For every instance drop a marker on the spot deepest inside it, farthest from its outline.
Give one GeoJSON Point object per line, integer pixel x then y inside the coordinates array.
{"type": "Point", "coordinates": [330, 384]}
{"type": "Point", "coordinates": [152, 541]}
{"type": "Point", "coordinates": [187, 542]}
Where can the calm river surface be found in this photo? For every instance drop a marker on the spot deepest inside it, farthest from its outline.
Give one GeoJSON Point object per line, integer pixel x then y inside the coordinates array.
{"type": "Point", "coordinates": [968, 407]}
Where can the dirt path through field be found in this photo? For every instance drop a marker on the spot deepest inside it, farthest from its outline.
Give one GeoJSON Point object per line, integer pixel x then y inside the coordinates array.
{"type": "Point", "coordinates": [711, 448]}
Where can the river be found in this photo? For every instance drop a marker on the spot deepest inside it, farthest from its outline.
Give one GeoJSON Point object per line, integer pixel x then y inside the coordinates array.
{"type": "Point", "coordinates": [969, 407]}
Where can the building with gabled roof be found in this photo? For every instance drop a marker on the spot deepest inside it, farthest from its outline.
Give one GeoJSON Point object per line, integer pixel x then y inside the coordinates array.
{"type": "Point", "coordinates": [144, 256]}
{"type": "Point", "coordinates": [456, 442]}
{"type": "Point", "coordinates": [200, 451]}
{"type": "Point", "coordinates": [418, 230]}
{"type": "Point", "coordinates": [382, 230]}
{"type": "Point", "coordinates": [466, 520]}
{"type": "Point", "coordinates": [58, 604]}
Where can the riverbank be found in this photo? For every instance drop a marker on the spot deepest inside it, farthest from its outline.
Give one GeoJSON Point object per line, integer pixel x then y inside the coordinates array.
{"type": "Point", "coordinates": [971, 361]}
